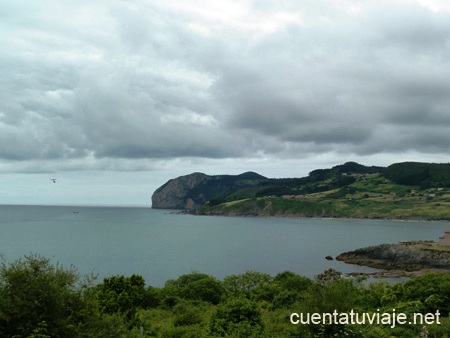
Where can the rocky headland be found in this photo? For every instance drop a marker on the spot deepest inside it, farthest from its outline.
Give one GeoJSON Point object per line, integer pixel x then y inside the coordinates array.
{"type": "Point", "coordinates": [188, 192]}
{"type": "Point", "coordinates": [413, 257]}
{"type": "Point", "coordinates": [176, 193]}
{"type": "Point", "coordinates": [406, 191]}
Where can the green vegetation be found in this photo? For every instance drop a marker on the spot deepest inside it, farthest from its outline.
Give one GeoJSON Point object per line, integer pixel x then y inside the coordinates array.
{"type": "Point", "coordinates": [425, 175]}
{"type": "Point", "coordinates": [218, 186]}
{"type": "Point", "coordinates": [403, 191]}
{"type": "Point", "coordinates": [38, 299]}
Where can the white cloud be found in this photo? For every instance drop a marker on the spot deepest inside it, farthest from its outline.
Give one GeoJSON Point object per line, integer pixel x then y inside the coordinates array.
{"type": "Point", "coordinates": [189, 118]}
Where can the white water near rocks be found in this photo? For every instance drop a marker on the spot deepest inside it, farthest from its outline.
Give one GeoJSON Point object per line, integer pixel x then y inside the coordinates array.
{"type": "Point", "coordinates": [160, 245]}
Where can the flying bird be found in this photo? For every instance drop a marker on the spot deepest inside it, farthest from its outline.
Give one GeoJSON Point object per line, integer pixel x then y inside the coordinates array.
{"type": "Point", "coordinates": [54, 180]}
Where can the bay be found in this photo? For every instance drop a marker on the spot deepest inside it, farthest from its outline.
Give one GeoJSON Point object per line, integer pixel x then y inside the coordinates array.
{"type": "Point", "coordinates": [161, 245]}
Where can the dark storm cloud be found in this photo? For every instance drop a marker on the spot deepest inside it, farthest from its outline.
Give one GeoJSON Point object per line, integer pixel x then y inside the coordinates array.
{"type": "Point", "coordinates": [167, 79]}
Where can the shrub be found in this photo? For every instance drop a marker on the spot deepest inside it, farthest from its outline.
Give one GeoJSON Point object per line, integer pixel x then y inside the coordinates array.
{"type": "Point", "coordinates": [194, 286]}
{"type": "Point", "coordinates": [122, 295]}
{"type": "Point", "coordinates": [38, 298]}
{"type": "Point", "coordinates": [248, 285]}
{"type": "Point", "coordinates": [238, 317]}
{"type": "Point", "coordinates": [187, 313]}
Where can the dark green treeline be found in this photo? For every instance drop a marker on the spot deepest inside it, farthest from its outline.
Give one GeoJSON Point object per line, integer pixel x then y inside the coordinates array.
{"type": "Point", "coordinates": [41, 300]}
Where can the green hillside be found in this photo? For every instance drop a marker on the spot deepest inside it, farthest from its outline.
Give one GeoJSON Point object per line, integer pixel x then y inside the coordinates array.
{"type": "Point", "coordinates": [408, 190]}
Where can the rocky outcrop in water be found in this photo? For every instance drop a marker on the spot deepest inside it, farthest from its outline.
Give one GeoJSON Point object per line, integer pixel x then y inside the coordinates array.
{"type": "Point", "coordinates": [408, 256]}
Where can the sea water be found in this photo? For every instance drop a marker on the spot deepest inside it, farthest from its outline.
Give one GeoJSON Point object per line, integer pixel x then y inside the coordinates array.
{"type": "Point", "coordinates": [162, 245]}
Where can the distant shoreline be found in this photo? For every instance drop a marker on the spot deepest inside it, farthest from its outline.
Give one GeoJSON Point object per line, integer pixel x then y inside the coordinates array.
{"type": "Point", "coordinates": [371, 218]}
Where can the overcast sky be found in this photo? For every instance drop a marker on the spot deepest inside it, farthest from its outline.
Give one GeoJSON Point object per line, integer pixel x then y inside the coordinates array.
{"type": "Point", "coordinates": [115, 97]}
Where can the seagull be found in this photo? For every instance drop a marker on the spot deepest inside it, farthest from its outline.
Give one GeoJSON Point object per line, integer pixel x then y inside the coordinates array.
{"type": "Point", "coordinates": [54, 180]}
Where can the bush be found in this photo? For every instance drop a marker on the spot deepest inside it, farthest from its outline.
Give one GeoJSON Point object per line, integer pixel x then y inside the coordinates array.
{"type": "Point", "coordinates": [187, 314]}
{"type": "Point", "coordinates": [122, 295]}
{"type": "Point", "coordinates": [432, 289]}
{"type": "Point", "coordinates": [238, 317]}
{"type": "Point", "coordinates": [193, 286]}
{"type": "Point", "coordinates": [251, 285]}
{"type": "Point", "coordinates": [291, 287]}
{"type": "Point", "coordinates": [38, 298]}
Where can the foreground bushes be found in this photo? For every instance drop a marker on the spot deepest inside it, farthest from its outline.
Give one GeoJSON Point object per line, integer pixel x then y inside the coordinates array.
{"type": "Point", "coordinates": [38, 299]}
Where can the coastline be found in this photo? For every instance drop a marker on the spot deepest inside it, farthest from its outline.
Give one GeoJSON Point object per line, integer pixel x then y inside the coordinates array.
{"type": "Point", "coordinates": [195, 212]}
{"type": "Point", "coordinates": [387, 274]}
{"type": "Point", "coordinates": [404, 259]}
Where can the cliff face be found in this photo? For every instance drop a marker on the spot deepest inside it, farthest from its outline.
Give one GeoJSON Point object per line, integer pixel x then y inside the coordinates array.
{"type": "Point", "coordinates": [175, 193]}
{"type": "Point", "coordinates": [191, 191]}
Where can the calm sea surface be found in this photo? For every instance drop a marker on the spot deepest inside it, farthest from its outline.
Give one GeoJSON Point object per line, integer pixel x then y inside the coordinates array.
{"type": "Point", "coordinates": [160, 245]}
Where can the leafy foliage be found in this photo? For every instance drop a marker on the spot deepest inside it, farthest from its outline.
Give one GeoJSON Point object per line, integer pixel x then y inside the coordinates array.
{"type": "Point", "coordinates": [432, 290]}
{"type": "Point", "coordinates": [291, 289]}
{"type": "Point", "coordinates": [123, 295]}
{"type": "Point", "coordinates": [426, 175]}
{"type": "Point", "coordinates": [41, 300]}
{"type": "Point", "coordinates": [238, 317]}
{"type": "Point", "coordinates": [250, 285]}
{"type": "Point", "coordinates": [196, 286]}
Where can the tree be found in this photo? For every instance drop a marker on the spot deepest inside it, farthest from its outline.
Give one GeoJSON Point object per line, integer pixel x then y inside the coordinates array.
{"type": "Point", "coordinates": [432, 289]}
{"type": "Point", "coordinates": [195, 286]}
{"type": "Point", "coordinates": [291, 287]}
{"type": "Point", "coordinates": [238, 317]}
{"type": "Point", "coordinates": [207, 289]}
{"type": "Point", "coordinates": [251, 285]}
{"type": "Point", "coordinates": [122, 295]}
{"type": "Point", "coordinates": [186, 279]}
{"type": "Point", "coordinates": [37, 297]}
{"type": "Point", "coordinates": [330, 292]}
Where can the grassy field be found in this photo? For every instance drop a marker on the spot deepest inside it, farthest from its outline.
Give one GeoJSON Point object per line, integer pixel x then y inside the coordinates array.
{"type": "Point", "coordinates": [370, 196]}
